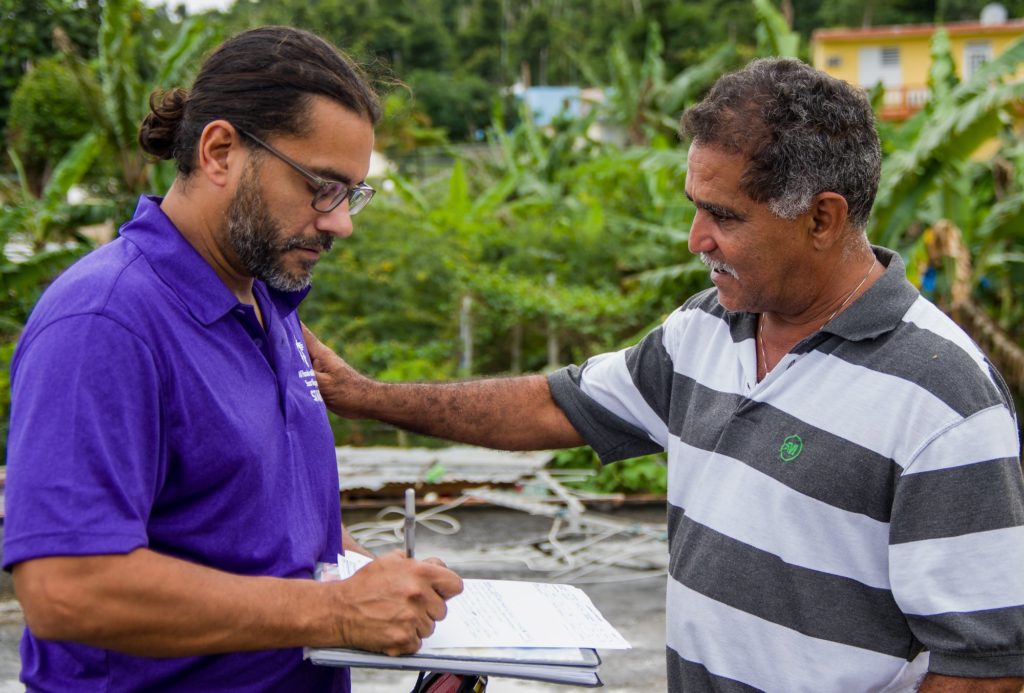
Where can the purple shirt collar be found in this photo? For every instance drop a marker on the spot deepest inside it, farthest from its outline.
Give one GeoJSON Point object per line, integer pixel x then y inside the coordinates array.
{"type": "Point", "coordinates": [185, 271]}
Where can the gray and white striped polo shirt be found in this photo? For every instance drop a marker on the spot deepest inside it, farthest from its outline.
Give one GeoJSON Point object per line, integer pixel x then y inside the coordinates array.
{"type": "Point", "coordinates": [835, 527]}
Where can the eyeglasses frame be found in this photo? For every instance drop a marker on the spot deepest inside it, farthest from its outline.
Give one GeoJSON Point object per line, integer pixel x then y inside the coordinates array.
{"type": "Point", "coordinates": [318, 181]}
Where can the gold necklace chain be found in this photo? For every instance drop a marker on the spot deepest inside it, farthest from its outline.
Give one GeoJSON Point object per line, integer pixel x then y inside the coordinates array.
{"type": "Point", "coordinates": [760, 320]}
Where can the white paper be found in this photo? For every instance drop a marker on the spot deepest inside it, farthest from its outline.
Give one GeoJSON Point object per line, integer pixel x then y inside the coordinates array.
{"type": "Point", "coordinates": [511, 613]}
{"type": "Point", "coordinates": [350, 563]}
{"type": "Point", "coordinates": [507, 613]}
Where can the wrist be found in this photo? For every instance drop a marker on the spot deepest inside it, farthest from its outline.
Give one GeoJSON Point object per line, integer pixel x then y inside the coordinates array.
{"type": "Point", "coordinates": [346, 392]}
{"type": "Point", "coordinates": [323, 620]}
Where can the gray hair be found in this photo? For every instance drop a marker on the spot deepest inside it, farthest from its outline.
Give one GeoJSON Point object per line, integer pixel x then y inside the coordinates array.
{"type": "Point", "coordinates": [802, 131]}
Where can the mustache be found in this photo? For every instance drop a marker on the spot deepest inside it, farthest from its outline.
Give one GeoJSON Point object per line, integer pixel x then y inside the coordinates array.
{"type": "Point", "coordinates": [323, 241]}
{"type": "Point", "coordinates": [714, 264]}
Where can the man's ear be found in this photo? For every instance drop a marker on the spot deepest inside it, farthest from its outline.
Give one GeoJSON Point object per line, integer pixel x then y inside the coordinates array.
{"type": "Point", "coordinates": [220, 152]}
{"type": "Point", "coordinates": [827, 216]}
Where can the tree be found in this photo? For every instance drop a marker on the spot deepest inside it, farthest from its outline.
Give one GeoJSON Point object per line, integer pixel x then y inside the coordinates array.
{"type": "Point", "coordinates": [130, 66]}
{"type": "Point", "coordinates": [459, 104]}
{"type": "Point", "coordinates": [26, 33]}
{"type": "Point", "coordinates": [47, 117]}
{"type": "Point", "coordinates": [959, 220]}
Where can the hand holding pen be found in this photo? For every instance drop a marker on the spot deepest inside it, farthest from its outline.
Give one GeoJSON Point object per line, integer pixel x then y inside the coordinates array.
{"type": "Point", "coordinates": [392, 603]}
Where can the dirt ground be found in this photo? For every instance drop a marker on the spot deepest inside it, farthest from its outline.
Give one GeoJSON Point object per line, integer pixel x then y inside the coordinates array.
{"type": "Point", "coordinates": [634, 604]}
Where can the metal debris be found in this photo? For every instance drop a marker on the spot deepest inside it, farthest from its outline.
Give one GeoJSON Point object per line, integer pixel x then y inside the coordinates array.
{"type": "Point", "coordinates": [580, 546]}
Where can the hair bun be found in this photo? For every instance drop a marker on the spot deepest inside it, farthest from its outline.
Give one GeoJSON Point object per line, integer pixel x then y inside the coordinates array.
{"type": "Point", "coordinates": [159, 129]}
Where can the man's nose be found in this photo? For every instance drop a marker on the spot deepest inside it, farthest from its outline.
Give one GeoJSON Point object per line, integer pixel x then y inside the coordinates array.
{"type": "Point", "coordinates": [700, 240]}
{"type": "Point", "coordinates": [337, 222]}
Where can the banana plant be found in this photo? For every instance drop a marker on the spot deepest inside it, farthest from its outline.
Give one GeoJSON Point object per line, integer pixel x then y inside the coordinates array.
{"type": "Point", "coordinates": [45, 228]}
{"type": "Point", "coordinates": [932, 181]}
{"type": "Point", "coordinates": [774, 35]}
{"type": "Point", "coordinates": [641, 98]}
{"type": "Point", "coordinates": [955, 124]}
{"type": "Point", "coordinates": [130, 66]}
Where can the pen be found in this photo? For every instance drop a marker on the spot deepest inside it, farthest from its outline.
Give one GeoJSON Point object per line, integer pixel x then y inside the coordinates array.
{"type": "Point", "coordinates": [410, 523]}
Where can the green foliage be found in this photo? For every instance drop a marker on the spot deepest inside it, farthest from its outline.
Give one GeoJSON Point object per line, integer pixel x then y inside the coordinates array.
{"type": "Point", "coordinates": [405, 128]}
{"type": "Point", "coordinates": [941, 140]}
{"type": "Point", "coordinates": [6, 354]}
{"type": "Point", "coordinates": [774, 37]}
{"type": "Point", "coordinates": [26, 34]}
{"type": "Point", "coordinates": [458, 104]}
{"type": "Point", "coordinates": [647, 474]}
{"type": "Point", "coordinates": [47, 116]}
{"type": "Point", "coordinates": [138, 53]}
{"type": "Point", "coordinates": [931, 173]}
{"type": "Point", "coordinates": [499, 43]}
{"type": "Point", "coordinates": [47, 226]}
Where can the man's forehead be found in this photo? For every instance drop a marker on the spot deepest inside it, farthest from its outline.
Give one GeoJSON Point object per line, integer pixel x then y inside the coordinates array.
{"type": "Point", "coordinates": [710, 166]}
{"type": "Point", "coordinates": [714, 181]}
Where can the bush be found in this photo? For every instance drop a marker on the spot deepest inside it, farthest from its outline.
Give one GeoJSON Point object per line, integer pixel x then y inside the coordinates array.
{"type": "Point", "coordinates": [461, 104]}
{"type": "Point", "coordinates": [47, 117]}
{"type": "Point", "coordinates": [648, 474]}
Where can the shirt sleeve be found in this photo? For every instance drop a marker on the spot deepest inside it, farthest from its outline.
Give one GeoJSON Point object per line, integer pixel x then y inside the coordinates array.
{"type": "Point", "coordinates": [83, 460]}
{"type": "Point", "coordinates": [617, 401]}
{"type": "Point", "coordinates": [956, 553]}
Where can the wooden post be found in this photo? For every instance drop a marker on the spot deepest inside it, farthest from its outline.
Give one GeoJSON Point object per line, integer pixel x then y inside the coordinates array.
{"type": "Point", "coordinates": [466, 335]}
{"type": "Point", "coordinates": [553, 361]}
{"type": "Point", "coordinates": [517, 348]}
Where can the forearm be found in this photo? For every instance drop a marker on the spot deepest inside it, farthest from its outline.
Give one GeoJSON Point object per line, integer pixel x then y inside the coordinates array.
{"type": "Point", "coordinates": [507, 413]}
{"type": "Point", "coordinates": [145, 603]}
{"type": "Point", "coordinates": [149, 604]}
{"type": "Point", "coordinates": [936, 683]}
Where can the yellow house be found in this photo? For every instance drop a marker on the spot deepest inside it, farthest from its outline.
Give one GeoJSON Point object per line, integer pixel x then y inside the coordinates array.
{"type": "Point", "coordinates": [899, 57]}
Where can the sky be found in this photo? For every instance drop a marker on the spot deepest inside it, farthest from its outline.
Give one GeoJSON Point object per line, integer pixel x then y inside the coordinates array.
{"type": "Point", "coordinates": [193, 5]}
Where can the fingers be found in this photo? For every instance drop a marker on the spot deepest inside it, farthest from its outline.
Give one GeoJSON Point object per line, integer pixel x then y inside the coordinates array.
{"type": "Point", "coordinates": [308, 336]}
{"type": "Point", "coordinates": [444, 581]}
{"type": "Point", "coordinates": [316, 348]}
{"type": "Point", "coordinates": [447, 584]}
{"type": "Point", "coordinates": [394, 603]}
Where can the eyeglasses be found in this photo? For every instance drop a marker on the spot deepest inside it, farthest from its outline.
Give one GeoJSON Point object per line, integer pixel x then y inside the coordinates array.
{"type": "Point", "coordinates": [329, 193]}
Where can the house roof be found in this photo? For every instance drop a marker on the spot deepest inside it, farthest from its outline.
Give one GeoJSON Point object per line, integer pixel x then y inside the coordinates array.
{"type": "Point", "coordinates": [1012, 26]}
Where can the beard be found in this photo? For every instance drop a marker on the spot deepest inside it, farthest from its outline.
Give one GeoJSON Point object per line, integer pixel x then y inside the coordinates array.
{"type": "Point", "coordinates": [260, 243]}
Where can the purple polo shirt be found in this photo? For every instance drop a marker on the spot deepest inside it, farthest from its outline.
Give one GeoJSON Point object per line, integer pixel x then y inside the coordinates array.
{"type": "Point", "coordinates": [150, 409]}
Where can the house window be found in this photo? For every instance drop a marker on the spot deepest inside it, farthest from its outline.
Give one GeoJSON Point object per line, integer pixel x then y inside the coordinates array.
{"type": "Point", "coordinates": [976, 54]}
{"type": "Point", "coordinates": [890, 56]}
{"type": "Point", "coordinates": [834, 61]}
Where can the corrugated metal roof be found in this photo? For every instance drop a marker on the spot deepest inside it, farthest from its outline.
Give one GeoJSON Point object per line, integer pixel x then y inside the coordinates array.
{"type": "Point", "coordinates": [372, 469]}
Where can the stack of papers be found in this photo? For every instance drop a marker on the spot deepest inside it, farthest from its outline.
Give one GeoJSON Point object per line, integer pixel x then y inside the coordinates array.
{"type": "Point", "coordinates": [531, 630]}
{"type": "Point", "coordinates": [577, 666]}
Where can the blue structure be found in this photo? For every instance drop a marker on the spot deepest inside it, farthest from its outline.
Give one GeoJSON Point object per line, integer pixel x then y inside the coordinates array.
{"type": "Point", "coordinates": [546, 103]}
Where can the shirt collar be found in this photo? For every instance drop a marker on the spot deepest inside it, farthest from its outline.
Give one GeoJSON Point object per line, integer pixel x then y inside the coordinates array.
{"type": "Point", "coordinates": [881, 308]}
{"type": "Point", "coordinates": [183, 269]}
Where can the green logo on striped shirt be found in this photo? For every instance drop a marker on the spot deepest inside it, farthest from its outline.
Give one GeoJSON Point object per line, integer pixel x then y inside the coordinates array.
{"type": "Point", "coordinates": [791, 448]}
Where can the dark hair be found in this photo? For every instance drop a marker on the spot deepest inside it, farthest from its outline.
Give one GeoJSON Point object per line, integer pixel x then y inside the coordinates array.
{"type": "Point", "coordinates": [802, 131]}
{"type": "Point", "coordinates": [261, 81]}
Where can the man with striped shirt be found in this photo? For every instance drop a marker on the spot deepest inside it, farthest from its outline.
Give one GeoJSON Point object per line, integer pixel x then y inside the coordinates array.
{"type": "Point", "coordinates": [846, 505]}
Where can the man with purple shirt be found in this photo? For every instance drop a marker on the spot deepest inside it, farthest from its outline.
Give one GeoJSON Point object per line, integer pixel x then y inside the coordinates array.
{"type": "Point", "coordinates": [171, 474]}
